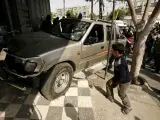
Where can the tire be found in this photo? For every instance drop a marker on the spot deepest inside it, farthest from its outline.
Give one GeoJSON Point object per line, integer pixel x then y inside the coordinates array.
{"type": "Point", "coordinates": [48, 87]}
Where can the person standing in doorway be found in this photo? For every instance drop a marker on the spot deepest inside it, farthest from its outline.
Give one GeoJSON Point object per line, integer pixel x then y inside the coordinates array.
{"type": "Point", "coordinates": [46, 25]}
{"type": "Point", "coordinates": [121, 78]}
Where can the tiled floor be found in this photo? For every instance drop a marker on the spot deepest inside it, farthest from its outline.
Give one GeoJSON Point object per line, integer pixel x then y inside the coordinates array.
{"type": "Point", "coordinates": [76, 104]}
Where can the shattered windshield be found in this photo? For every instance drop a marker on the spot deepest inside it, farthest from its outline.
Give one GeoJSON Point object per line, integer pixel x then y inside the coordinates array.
{"type": "Point", "coordinates": [71, 29]}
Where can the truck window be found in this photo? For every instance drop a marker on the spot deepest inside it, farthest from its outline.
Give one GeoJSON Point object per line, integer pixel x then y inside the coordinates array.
{"type": "Point", "coordinates": [96, 35]}
{"type": "Point", "coordinates": [116, 34]}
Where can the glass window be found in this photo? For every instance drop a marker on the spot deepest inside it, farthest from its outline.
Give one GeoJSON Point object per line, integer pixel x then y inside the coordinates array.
{"type": "Point", "coordinates": [71, 29]}
{"type": "Point", "coordinates": [96, 35]}
{"type": "Point", "coordinates": [79, 30]}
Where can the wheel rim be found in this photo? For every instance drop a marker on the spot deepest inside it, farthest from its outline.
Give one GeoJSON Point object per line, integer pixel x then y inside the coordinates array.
{"type": "Point", "coordinates": [61, 82]}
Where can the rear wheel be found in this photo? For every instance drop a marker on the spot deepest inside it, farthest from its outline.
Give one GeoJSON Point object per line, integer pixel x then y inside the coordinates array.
{"type": "Point", "coordinates": [57, 81]}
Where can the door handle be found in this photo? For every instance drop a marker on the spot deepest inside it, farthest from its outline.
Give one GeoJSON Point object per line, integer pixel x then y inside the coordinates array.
{"type": "Point", "coordinates": [102, 47]}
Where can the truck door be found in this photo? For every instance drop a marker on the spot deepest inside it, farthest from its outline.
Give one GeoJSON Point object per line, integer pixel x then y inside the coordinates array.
{"type": "Point", "coordinates": [94, 47]}
{"type": "Point", "coordinates": [108, 36]}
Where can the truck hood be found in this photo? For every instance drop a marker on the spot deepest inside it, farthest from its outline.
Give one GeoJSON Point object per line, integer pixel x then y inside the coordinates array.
{"type": "Point", "coordinates": [36, 43]}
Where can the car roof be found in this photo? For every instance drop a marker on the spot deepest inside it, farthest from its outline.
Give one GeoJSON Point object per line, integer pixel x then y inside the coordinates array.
{"type": "Point", "coordinates": [75, 19]}
{"type": "Point", "coordinates": [90, 21]}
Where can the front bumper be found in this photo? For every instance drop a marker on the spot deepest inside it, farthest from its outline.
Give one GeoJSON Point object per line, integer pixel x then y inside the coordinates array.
{"type": "Point", "coordinates": [18, 81]}
{"type": "Point", "coordinates": [17, 69]}
{"type": "Point", "coordinates": [19, 75]}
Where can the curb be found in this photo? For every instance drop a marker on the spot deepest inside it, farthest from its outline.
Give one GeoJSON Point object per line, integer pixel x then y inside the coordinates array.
{"type": "Point", "coordinates": [150, 91]}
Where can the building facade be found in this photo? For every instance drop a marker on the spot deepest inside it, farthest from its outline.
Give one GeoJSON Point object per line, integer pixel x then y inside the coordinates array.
{"type": "Point", "coordinates": [140, 7]}
{"type": "Point", "coordinates": [76, 10]}
{"type": "Point", "coordinates": [23, 15]}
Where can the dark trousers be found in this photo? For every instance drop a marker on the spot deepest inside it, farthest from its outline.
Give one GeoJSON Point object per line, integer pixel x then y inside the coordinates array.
{"type": "Point", "coordinates": [122, 92]}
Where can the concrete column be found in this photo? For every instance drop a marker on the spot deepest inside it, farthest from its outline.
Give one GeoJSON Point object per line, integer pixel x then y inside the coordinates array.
{"type": "Point", "coordinates": [33, 16]}
{"type": "Point", "coordinates": [37, 5]}
{"type": "Point", "coordinates": [49, 7]}
{"type": "Point", "coordinates": [41, 8]}
{"type": "Point", "coordinates": [44, 7]}
{"type": "Point", "coordinates": [9, 14]}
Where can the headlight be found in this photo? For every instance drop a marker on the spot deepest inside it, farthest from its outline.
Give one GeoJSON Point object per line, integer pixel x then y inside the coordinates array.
{"type": "Point", "coordinates": [30, 66]}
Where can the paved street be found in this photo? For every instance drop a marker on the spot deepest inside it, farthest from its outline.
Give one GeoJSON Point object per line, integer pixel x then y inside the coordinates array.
{"type": "Point", "coordinates": [145, 102]}
{"type": "Point", "coordinates": [151, 77]}
{"type": "Point", "coordinates": [85, 100]}
{"type": "Point", "coordinates": [53, 39]}
{"type": "Point", "coordinates": [76, 104]}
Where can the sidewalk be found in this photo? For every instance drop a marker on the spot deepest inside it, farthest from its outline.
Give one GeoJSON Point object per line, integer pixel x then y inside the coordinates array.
{"type": "Point", "coordinates": [75, 104]}
{"type": "Point", "coordinates": [151, 77]}
{"type": "Point", "coordinates": [144, 101]}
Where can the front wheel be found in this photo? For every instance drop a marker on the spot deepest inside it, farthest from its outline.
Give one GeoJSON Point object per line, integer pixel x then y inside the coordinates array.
{"type": "Point", "coordinates": [57, 81]}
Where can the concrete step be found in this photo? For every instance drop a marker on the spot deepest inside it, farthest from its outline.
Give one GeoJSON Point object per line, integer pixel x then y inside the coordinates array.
{"type": "Point", "coordinates": [91, 70]}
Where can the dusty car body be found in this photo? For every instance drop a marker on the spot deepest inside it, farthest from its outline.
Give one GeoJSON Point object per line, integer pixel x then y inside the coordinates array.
{"type": "Point", "coordinates": [74, 45]}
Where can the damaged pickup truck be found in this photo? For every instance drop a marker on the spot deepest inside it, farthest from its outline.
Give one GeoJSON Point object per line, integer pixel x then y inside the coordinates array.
{"type": "Point", "coordinates": [50, 60]}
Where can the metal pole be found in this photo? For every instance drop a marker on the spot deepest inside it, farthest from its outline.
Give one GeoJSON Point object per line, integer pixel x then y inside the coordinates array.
{"type": "Point", "coordinates": [9, 15]}
{"type": "Point", "coordinates": [91, 9]}
{"type": "Point", "coordinates": [64, 8]}
{"type": "Point", "coordinates": [100, 9]}
{"type": "Point", "coordinates": [112, 37]}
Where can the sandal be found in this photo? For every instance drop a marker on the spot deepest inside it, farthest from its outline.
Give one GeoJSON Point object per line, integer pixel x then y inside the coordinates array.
{"type": "Point", "coordinates": [125, 110]}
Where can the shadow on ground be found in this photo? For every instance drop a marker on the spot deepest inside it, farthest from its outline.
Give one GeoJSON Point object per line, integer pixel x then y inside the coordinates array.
{"type": "Point", "coordinates": [151, 92]}
{"type": "Point", "coordinates": [156, 90]}
{"type": "Point", "coordinates": [15, 103]}
{"type": "Point", "coordinates": [136, 118]}
{"type": "Point", "coordinates": [105, 95]}
{"type": "Point", "coordinates": [150, 74]}
{"type": "Point", "coordinates": [71, 112]}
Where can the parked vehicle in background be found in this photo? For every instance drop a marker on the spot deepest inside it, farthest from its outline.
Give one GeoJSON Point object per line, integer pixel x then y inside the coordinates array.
{"type": "Point", "coordinates": [52, 59]}
{"type": "Point", "coordinates": [121, 24]}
